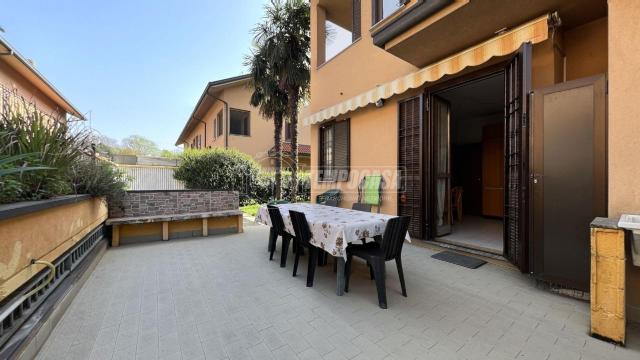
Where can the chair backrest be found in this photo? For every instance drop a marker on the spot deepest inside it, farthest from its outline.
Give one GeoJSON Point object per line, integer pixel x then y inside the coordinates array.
{"type": "Point", "coordinates": [394, 235]}
{"type": "Point", "coordinates": [276, 219]}
{"type": "Point", "coordinates": [361, 207]}
{"type": "Point", "coordinates": [300, 226]}
{"type": "Point", "coordinates": [331, 202]}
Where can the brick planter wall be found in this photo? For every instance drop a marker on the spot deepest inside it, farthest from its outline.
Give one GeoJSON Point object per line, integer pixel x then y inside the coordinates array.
{"type": "Point", "coordinates": [149, 203]}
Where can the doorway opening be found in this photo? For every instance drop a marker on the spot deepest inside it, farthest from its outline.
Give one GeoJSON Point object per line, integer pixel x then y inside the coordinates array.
{"type": "Point", "coordinates": [469, 167]}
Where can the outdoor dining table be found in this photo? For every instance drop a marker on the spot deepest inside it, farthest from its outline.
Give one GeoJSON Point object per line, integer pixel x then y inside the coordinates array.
{"type": "Point", "coordinates": [332, 229]}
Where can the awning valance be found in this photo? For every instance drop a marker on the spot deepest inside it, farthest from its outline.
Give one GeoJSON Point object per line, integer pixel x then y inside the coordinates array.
{"type": "Point", "coordinates": [510, 41]}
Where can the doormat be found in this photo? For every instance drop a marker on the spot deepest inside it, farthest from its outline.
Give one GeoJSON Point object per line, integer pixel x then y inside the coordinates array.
{"type": "Point", "coordinates": [455, 258]}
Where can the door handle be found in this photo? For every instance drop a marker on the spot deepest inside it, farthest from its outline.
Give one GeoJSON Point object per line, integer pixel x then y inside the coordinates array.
{"type": "Point", "coordinates": [536, 177]}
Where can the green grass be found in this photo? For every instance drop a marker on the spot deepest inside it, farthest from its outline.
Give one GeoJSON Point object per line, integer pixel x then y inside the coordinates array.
{"type": "Point", "coordinates": [250, 210]}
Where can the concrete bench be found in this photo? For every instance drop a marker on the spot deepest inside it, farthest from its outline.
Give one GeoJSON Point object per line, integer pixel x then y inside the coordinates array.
{"type": "Point", "coordinates": [170, 214]}
{"type": "Point", "coordinates": [213, 222]}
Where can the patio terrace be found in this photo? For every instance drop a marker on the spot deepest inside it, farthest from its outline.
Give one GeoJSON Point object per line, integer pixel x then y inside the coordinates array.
{"type": "Point", "coordinates": [221, 298]}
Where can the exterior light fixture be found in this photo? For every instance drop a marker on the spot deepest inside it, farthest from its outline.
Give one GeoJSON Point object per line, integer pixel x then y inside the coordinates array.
{"type": "Point", "coordinates": [380, 103]}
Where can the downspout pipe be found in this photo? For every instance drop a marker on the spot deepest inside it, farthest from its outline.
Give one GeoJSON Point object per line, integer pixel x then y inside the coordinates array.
{"type": "Point", "coordinates": [226, 115]}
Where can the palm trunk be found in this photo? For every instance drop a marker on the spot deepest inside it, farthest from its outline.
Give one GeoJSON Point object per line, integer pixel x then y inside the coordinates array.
{"type": "Point", "coordinates": [293, 115]}
{"type": "Point", "coordinates": [277, 143]}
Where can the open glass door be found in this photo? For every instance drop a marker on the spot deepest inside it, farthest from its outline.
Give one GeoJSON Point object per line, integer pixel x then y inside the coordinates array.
{"type": "Point", "coordinates": [441, 120]}
{"type": "Point", "coordinates": [516, 111]}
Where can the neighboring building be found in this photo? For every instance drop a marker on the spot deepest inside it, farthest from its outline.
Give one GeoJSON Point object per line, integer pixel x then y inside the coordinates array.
{"type": "Point", "coordinates": [223, 117]}
{"type": "Point", "coordinates": [526, 108]}
{"type": "Point", "coordinates": [21, 84]}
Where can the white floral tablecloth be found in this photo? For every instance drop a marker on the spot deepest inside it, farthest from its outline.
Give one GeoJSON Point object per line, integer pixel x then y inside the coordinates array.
{"type": "Point", "coordinates": [332, 228]}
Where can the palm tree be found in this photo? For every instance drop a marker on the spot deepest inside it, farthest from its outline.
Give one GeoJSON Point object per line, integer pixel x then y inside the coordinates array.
{"type": "Point", "coordinates": [272, 102]}
{"type": "Point", "coordinates": [285, 42]}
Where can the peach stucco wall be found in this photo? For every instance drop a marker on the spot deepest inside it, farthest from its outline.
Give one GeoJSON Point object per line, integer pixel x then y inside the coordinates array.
{"type": "Point", "coordinates": [624, 123]}
{"type": "Point", "coordinates": [260, 140]}
{"type": "Point", "coordinates": [13, 81]}
{"type": "Point", "coordinates": [43, 235]}
{"type": "Point", "coordinates": [356, 70]}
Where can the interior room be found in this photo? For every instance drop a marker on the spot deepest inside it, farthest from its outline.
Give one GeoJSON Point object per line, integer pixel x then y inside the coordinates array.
{"type": "Point", "coordinates": [476, 160]}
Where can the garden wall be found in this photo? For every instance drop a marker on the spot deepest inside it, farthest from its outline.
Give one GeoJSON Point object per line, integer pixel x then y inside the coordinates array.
{"type": "Point", "coordinates": [42, 230]}
{"type": "Point", "coordinates": [155, 202]}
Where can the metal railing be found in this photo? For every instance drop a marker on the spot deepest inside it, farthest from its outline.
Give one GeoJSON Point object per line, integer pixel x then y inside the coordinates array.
{"type": "Point", "coordinates": [25, 302]}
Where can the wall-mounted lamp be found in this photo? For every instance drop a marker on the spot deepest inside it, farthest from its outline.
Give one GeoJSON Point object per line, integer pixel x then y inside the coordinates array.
{"type": "Point", "coordinates": [380, 103]}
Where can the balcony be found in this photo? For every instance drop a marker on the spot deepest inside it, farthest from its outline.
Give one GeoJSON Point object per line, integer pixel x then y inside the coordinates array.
{"type": "Point", "coordinates": [416, 34]}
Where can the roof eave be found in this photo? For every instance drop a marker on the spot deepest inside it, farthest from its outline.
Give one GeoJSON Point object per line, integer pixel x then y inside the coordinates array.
{"type": "Point", "coordinates": [58, 98]}
{"type": "Point", "coordinates": [210, 86]}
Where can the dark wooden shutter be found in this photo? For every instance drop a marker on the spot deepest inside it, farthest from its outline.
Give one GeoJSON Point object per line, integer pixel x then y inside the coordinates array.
{"type": "Point", "coordinates": [356, 25]}
{"type": "Point", "coordinates": [341, 150]}
{"type": "Point", "coordinates": [517, 89]}
{"type": "Point", "coordinates": [410, 164]}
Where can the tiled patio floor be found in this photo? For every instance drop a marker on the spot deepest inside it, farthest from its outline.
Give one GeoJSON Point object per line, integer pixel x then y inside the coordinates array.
{"type": "Point", "coordinates": [220, 297]}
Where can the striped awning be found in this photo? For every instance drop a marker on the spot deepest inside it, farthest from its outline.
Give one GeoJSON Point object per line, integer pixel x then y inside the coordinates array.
{"type": "Point", "coordinates": [506, 43]}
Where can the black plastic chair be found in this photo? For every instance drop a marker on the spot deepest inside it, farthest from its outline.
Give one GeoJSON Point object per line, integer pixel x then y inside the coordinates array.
{"type": "Point", "coordinates": [303, 236]}
{"type": "Point", "coordinates": [331, 202]}
{"type": "Point", "coordinates": [361, 207]}
{"type": "Point", "coordinates": [278, 229]}
{"type": "Point", "coordinates": [377, 254]}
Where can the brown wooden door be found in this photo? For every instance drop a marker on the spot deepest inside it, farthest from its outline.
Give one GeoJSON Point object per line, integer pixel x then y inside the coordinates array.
{"type": "Point", "coordinates": [410, 196]}
{"type": "Point", "coordinates": [516, 151]}
{"type": "Point", "coordinates": [568, 178]}
{"type": "Point", "coordinates": [493, 170]}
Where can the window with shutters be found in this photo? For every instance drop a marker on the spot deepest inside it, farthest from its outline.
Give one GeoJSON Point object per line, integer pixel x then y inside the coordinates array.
{"type": "Point", "coordinates": [334, 151]}
{"type": "Point", "coordinates": [288, 130]}
{"type": "Point", "coordinates": [341, 30]}
{"type": "Point", "coordinates": [239, 122]}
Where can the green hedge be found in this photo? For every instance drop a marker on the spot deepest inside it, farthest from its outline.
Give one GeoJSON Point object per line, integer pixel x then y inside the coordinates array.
{"type": "Point", "coordinates": [230, 169]}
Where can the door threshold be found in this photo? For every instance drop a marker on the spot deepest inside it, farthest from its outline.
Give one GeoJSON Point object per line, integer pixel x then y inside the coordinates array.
{"type": "Point", "coordinates": [489, 257]}
{"type": "Point", "coordinates": [468, 246]}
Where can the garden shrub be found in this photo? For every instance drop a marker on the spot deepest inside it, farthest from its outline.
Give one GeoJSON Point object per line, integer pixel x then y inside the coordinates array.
{"type": "Point", "coordinates": [43, 142]}
{"type": "Point", "coordinates": [98, 178]}
{"type": "Point", "coordinates": [218, 169]}
{"type": "Point", "coordinates": [51, 156]}
{"type": "Point", "coordinates": [230, 169]}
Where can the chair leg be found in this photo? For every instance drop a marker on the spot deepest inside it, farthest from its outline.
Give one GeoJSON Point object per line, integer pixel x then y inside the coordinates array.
{"type": "Point", "coordinates": [272, 243]}
{"type": "Point", "coordinates": [347, 273]}
{"type": "Point", "coordinates": [371, 274]}
{"type": "Point", "coordinates": [378, 269]}
{"type": "Point", "coordinates": [311, 270]}
{"type": "Point", "coordinates": [296, 259]}
{"type": "Point", "coordinates": [401, 275]}
{"type": "Point", "coordinates": [285, 250]}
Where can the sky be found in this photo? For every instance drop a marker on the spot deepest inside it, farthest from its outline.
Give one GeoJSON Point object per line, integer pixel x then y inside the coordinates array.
{"type": "Point", "coordinates": [133, 66]}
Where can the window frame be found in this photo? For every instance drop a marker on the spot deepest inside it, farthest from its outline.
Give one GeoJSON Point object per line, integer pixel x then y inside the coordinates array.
{"type": "Point", "coordinates": [321, 153]}
{"type": "Point", "coordinates": [248, 134]}
{"type": "Point", "coordinates": [219, 125]}
{"type": "Point", "coordinates": [377, 11]}
{"type": "Point", "coordinates": [287, 131]}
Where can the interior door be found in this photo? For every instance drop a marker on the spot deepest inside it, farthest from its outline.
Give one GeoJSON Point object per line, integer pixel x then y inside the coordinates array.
{"type": "Point", "coordinates": [516, 151]}
{"type": "Point", "coordinates": [568, 178]}
{"type": "Point", "coordinates": [440, 115]}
